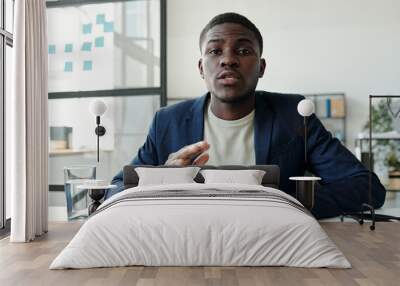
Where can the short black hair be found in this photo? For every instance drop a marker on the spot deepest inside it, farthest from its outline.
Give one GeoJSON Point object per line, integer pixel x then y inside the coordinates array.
{"type": "Point", "coordinates": [232, 18]}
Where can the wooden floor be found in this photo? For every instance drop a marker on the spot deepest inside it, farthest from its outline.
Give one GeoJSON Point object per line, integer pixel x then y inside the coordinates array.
{"type": "Point", "coordinates": [375, 256]}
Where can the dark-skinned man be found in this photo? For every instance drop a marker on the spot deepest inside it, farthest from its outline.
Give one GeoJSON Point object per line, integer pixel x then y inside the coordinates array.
{"type": "Point", "coordinates": [233, 124]}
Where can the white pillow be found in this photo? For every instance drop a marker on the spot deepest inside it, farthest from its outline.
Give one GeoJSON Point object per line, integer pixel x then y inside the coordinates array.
{"type": "Point", "coordinates": [248, 177]}
{"type": "Point", "coordinates": [165, 176]}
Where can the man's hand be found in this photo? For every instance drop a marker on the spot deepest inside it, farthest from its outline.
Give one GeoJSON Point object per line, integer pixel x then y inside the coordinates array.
{"type": "Point", "coordinates": [190, 155]}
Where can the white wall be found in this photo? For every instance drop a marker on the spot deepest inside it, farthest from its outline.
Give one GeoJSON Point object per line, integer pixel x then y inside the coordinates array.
{"type": "Point", "coordinates": [311, 46]}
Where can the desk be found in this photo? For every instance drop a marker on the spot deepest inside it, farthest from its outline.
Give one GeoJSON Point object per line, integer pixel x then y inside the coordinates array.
{"type": "Point", "coordinates": [374, 255]}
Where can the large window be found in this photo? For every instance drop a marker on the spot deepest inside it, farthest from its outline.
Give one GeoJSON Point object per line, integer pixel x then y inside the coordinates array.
{"type": "Point", "coordinates": [6, 42]}
{"type": "Point", "coordinates": [114, 50]}
{"type": "Point", "coordinates": [104, 46]}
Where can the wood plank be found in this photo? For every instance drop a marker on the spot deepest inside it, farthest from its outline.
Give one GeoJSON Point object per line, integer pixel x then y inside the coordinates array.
{"type": "Point", "coordinates": [374, 255]}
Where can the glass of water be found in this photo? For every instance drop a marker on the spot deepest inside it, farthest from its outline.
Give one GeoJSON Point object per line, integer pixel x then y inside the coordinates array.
{"type": "Point", "coordinates": [77, 199]}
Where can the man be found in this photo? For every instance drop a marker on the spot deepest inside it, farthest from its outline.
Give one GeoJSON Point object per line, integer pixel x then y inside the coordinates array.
{"type": "Point", "coordinates": [234, 124]}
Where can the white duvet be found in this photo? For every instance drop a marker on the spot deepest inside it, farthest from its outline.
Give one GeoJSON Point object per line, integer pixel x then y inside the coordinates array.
{"type": "Point", "coordinates": [206, 230]}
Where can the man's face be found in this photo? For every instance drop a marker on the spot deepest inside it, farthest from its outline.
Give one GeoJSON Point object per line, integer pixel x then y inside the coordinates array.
{"type": "Point", "coordinates": [231, 62]}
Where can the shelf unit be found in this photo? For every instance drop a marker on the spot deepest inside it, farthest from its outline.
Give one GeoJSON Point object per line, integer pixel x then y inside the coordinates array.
{"type": "Point", "coordinates": [330, 108]}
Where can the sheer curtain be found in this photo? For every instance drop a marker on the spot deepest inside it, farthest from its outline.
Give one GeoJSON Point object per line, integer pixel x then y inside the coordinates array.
{"type": "Point", "coordinates": [26, 123]}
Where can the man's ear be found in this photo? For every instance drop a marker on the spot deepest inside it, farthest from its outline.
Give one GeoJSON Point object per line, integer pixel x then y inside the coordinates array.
{"type": "Point", "coordinates": [200, 66]}
{"type": "Point", "coordinates": [262, 68]}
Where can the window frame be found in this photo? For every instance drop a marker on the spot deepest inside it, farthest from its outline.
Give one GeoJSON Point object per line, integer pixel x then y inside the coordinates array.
{"type": "Point", "coordinates": [6, 39]}
{"type": "Point", "coordinates": [145, 91]}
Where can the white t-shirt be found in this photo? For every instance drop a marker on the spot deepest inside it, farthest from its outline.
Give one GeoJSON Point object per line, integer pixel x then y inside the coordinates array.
{"type": "Point", "coordinates": [231, 141]}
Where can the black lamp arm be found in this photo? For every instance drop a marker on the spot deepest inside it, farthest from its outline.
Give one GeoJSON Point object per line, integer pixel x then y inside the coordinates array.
{"type": "Point", "coordinates": [305, 140]}
{"type": "Point", "coordinates": [100, 131]}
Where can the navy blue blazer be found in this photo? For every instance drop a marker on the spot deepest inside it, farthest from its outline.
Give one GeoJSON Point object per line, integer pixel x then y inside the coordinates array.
{"type": "Point", "coordinates": [278, 139]}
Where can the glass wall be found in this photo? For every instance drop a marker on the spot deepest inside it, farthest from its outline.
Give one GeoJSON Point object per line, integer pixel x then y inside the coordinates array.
{"type": "Point", "coordinates": [9, 18]}
{"type": "Point", "coordinates": [8, 70]}
{"type": "Point", "coordinates": [112, 50]}
{"type": "Point", "coordinates": [126, 121]}
{"type": "Point", "coordinates": [6, 42]}
{"type": "Point", "coordinates": [385, 146]}
{"type": "Point", "coordinates": [104, 46]}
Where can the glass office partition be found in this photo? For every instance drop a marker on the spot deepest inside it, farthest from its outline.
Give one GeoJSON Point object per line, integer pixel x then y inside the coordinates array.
{"type": "Point", "coordinates": [6, 43]}
{"type": "Point", "coordinates": [113, 50]}
{"type": "Point", "coordinates": [104, 46]}
{"type": "Point", "coordinates": [385, 144]}
{"type": "Point", "coordinates": [9, 15]}
{"type": "Point", "coordinates": [126, 121]}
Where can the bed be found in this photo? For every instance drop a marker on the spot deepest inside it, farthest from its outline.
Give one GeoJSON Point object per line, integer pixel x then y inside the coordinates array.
{"type": "Point", "coordinates": [201, 224]}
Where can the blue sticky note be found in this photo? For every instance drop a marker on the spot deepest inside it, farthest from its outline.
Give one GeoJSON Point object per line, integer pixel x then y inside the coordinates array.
{"type": "Point", "coordinates": [68, 48]}
{"type": "Point", "coordinates": [108, 27]}
{"type": "Point", "coordinates": [99, 42]}
{"type": "Point", "coordinates": [68, 67]}
{"type": "Point", "coordinates": [100, 18]}
{"type": "Point", "coordinates": [52, 49]}
{"type": "Point", "coordinates": [86, 28]}
{"type": "Point", "coordinates": [87, 65]}
{"type": "Point", "coordinates": [86, 46]}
